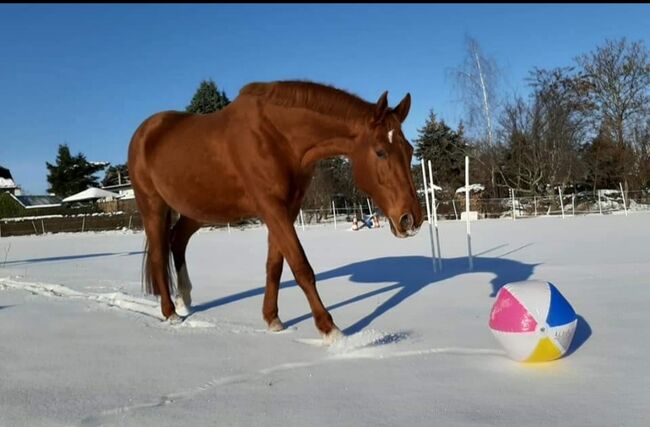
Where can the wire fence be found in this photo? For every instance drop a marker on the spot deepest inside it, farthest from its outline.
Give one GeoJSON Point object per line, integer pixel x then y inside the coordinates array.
{"type": "Point", "coordinates": [359, 216]}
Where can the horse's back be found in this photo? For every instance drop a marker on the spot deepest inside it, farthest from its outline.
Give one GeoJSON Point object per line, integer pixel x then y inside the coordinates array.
{"type": "Point", "coordinates": [189, 161]}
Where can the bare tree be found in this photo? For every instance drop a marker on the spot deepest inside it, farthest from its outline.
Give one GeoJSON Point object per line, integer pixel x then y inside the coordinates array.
{"type": "Point", "coordinates": [618, 77]}
{"type": "Point", "coordinates": [541, 138]}
{"type": "Point", "coordinates": [477, 81]}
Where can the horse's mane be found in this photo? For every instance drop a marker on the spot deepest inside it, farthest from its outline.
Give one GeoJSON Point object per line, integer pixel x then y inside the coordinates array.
{"type": "Point", "coordinates": [316, 97]}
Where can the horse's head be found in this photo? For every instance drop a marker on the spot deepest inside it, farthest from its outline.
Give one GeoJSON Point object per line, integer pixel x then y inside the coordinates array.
{"type": "Point", "coordinates": [381, 161]}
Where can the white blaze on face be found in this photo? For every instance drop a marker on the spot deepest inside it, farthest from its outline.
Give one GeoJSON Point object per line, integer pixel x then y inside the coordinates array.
{"type": "Point", "coordinates": [390, 135]}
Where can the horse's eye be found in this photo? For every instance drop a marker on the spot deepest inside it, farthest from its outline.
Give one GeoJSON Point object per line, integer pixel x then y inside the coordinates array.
{"type": "Point", "coordinates": [381, 153]}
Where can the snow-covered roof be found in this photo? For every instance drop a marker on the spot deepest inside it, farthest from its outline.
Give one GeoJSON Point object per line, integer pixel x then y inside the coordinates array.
{"type": "Point", "coordinates": [32, 202]}
{"type": "Point", "coordinates": [472, 187]}
{"type": "Point", "coordinates": [6, 180]}
{"type": "Point", "coordinates": [7, 183]}
{"type": "Point", "coordinates": [435, 187]}
{"type": "Point", "coordinates": [91, 194]}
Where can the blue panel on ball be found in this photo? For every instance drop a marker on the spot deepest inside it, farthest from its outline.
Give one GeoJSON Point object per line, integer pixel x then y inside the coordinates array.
{"type": "Point", "coordinates": [560, 312]}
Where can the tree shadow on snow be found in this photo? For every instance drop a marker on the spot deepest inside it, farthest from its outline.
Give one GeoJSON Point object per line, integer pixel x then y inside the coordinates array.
{"type": "Point", "coordinates": [407, 275]}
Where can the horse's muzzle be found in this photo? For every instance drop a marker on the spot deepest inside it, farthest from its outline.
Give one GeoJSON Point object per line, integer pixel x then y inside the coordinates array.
{"type": "Point", "coordinates": [406, 226]}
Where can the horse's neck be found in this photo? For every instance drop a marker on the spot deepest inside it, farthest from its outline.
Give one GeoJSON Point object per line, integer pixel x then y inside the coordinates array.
{"type": "Point", "coordinates": [329, 141]}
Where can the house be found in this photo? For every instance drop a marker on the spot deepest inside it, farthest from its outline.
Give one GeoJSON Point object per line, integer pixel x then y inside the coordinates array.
{"type": "Point", "coordinates": [125, 190]}
{"type": "Point", "coordinates": [14, 206]}
{"type": "Point", "coordinates": [7, 183]}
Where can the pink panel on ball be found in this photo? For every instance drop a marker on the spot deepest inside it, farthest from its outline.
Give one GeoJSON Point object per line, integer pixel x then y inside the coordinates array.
{"type": "Point", "coordinates": [508, 315]}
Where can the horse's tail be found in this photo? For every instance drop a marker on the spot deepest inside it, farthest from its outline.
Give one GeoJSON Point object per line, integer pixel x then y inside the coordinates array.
{"type": "Point", "coordinates": [147, 280]}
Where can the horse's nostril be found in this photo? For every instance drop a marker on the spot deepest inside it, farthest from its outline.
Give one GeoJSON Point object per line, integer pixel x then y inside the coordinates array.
{"type": "Point", "coordinates": [406, 222]}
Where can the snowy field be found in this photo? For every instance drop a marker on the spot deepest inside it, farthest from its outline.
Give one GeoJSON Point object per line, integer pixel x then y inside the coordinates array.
{"type": "Point", "coordinates": [81, 346]}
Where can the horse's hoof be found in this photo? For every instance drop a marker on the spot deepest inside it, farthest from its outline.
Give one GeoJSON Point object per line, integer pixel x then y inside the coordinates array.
{"type": "Point", "coordinates": [334, 336]}
{"type": "Point", "coordinates": [175, 319]}
{"type": "Point", "coordinates": [182, 309]}
{"type": "Point", "coordinates": [275, 325]}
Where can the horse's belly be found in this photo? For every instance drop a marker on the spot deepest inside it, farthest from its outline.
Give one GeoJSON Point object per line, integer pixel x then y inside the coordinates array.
{"type": "Point", "coordinates": [206, 197]}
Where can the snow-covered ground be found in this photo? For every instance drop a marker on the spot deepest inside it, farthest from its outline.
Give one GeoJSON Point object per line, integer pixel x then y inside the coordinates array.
{"type": "Point", "coordinates": [80, 345]}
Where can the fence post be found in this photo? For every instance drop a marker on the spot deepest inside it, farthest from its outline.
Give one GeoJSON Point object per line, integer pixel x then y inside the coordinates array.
{"type": "Point", "coordinates": [302, 221]}
{"type": "Point", "coordinates": [623, 194]}
{"type": "Point", "coordinates": [512, 194]}
{"type": "Point", "coordinates": [600, 206]}
{"type": "Point", "coordinates": [561, 201]}
{"type": "Point", "coordinates": [454, 204]}
{"type": "Point", "coordinates": [573, 203]}
{"type": "Point", "coordinates": [228, 228]}
{"type": "Point", "coordinates": [43, 226]}
{"type": "Point", "coordinates": [334, 213]}
{"type": "Point", "coordinates": [130, 218]}
{"type": "Point", "coordinates": [535, 202]}
{"type": "Point", "coordinates": [83, 223]}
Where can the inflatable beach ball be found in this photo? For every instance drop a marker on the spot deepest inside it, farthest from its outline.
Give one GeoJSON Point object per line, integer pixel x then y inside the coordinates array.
{"type": "Point", "coordinates": [533, 321]}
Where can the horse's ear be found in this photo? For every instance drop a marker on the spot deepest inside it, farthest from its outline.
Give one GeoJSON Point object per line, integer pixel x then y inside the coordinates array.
{"type": "Point", "coordinates": [402, 110]}
{"type": "Point", "coordinates": [381, 108]}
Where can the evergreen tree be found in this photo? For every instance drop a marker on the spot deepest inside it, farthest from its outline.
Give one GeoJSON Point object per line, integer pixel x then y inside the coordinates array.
{"type": "Point", "coordinates": [115, 175]}
{"type": "Point", "coordinates": [207, 99]}
{"type": "Point", "coordinates": [446, 149]}
{"type": "Point", "coordinates": [71, 174]}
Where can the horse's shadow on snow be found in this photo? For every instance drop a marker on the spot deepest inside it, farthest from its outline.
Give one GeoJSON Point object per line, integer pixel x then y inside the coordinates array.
{"type": "Point", "coordinates": [407, 275]}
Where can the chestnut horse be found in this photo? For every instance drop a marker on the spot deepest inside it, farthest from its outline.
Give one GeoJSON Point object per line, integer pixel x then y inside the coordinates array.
{"type": "Point", "coordinates": [255, 158]}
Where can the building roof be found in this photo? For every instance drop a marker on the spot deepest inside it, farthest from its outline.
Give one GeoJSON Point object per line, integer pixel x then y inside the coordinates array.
{"type": "Point", "coordinates": [126, 185]}
{"type": "Point", "coordinates": [472, 187]}
{"type": "Point", "coordinates": [38, 201]}
{"type": "Point", "coordinates": [91, 194]}
{"type": "Point", "coordinates": [6, 180]}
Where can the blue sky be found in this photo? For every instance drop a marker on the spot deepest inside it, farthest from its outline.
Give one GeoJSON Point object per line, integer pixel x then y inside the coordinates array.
{"type": "Point", "coordinates": [87, 75]}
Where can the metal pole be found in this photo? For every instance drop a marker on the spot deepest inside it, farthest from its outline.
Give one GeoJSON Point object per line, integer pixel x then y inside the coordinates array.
{"type": "Point", "coordinates": [228, 228]}
{"type": "Point", "coordinates": [469, 238]}
{"type": "Point", "coordinates": [130, 219]}
{"type": "Point", "coordinates": [426, 201]}
{"type": "Point", "coordinates": [43, 226]}
{"type": "Point", "coordinates": [623, 194]}
{"type": "Point", "coordinates": [435, 216]}
{"type": "Point", "coordinates": [302, 220]}
{"type": "Point", "coordinates": [561, 201]}
{"type": "Point", "coordinates": [334, 213]}
{"type": "Point", "coordinates": [512, 197]}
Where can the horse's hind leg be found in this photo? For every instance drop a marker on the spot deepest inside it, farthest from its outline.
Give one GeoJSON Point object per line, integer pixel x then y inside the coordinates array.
{"type": "Point", "coordinates": [180, 236]}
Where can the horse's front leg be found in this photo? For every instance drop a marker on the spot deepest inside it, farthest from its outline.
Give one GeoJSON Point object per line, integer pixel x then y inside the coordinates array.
{"type": "Point", "coordinates": [284, 235]}
{"type": "Point", "coordinates": [274, 262]}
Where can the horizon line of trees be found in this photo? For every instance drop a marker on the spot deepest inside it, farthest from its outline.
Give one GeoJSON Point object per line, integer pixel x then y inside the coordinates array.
{"type": "Point", "coordinates": [584, 125]}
